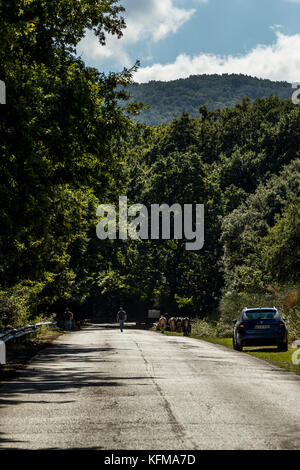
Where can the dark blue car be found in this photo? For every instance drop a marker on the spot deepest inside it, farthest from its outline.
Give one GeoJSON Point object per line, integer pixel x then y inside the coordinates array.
{"type": "Point", "coordinates": [260, 327]}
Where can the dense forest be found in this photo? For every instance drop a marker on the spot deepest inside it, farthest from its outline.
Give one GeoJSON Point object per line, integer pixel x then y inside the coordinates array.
{"type": "Point", "coordinates": [167, 100]}
{"type": "Point", "coordinates": [67, 145]}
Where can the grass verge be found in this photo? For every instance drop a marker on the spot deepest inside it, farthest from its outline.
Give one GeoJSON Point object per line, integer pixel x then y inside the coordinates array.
{"type": "Point", "coordinates": [269, 354]}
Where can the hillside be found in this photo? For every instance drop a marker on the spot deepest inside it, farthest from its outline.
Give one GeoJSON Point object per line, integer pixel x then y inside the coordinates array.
{"type": "Point", "coordinates": [167, 100]}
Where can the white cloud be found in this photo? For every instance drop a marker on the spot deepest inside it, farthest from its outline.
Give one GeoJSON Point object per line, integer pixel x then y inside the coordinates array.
{"type": "Point", "coordinates": [150, 20]}
{"type": "Point", "coordinates": [92, 52]}
{"type": "Point", "coordinates": [153, 19]}
{"type": "Point", "coordinates": [279, 61]}
{"type": "Point", "coordinates": [276, 26]}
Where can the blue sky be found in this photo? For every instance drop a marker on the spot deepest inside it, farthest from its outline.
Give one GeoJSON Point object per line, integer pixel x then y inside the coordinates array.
{"type": "Point", "coordinates": [177, 38]}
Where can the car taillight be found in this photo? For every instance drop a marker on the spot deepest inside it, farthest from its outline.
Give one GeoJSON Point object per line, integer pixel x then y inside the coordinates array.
{"type": "Point", "coordinates": [241, 327]}
{"type": "Point", "coordinates": [282, 325]}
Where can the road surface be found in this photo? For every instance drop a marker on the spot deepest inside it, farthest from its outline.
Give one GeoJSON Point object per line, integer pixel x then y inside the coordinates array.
{"type": "Point", "coordinates": [102, 389]}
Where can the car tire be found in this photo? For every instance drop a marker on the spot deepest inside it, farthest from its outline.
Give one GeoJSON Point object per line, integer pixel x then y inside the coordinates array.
{"type": "Point", "coordinates": [236, 346]}
{"type": "Point", "coordinates": [283, 347]}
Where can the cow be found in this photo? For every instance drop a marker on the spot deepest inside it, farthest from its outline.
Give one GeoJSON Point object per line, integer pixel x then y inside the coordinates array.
{"type": "Point", "coordinates": [178, 321]}
{"type": "Point", "coordinates": [186, 326]}
{"type": "Point", "coordinates": [162, 324]}
{"type": "Point", "coordinates": [172, 324]}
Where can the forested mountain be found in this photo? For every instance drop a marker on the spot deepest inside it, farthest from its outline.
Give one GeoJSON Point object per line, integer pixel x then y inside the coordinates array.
{"type": "Point", "coordinates": [167, 100]}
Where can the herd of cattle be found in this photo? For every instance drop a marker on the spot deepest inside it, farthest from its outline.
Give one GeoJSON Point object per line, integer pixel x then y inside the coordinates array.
{"type": "Point", "coordinates": [181, 325]}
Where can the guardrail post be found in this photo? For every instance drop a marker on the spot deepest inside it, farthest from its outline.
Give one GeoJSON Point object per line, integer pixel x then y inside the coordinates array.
{"type": "Point", "coordinates": [2, 353]}
{"type": "Point", "coordinates": [16, 334]}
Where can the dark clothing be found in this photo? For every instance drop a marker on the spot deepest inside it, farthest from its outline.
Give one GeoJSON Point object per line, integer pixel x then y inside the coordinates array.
{"type": "Point", "coordinates": [68, 319]}
{"type": "Point", "coordinates": [121, 315]}
{"type": "Point", "coordinates": [68, 315]}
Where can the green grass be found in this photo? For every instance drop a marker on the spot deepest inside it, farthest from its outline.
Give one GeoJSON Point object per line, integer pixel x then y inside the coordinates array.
{"type": "Point", "coordinates": [223, 341]}
{"type": "Point", "coordinates": [170, 333]}
{"type": "Point", "coordinates": [269, 354]}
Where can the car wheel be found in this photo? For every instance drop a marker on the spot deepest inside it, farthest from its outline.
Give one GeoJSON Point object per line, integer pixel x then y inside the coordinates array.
{"type": "Point", "coordinates": [236, 346]}
{"type": "Point", "coordinates": [283, 347]}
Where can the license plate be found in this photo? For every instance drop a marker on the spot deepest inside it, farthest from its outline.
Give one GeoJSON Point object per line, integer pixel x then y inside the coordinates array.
{"type": "Point", "coordinates": [262, 327]}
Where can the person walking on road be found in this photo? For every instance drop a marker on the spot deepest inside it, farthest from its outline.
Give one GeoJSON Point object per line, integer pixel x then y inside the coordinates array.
{"type": "Point", "coordinates": [121, 317]}
{"type": "Point", "coordinates": [68, 319]}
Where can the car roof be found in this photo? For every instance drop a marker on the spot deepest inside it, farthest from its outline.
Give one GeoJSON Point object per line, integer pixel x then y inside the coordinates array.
{"type": "Point", "coordinates": [270, 309]}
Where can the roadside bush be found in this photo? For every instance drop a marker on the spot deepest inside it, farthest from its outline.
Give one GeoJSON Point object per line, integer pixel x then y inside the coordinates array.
{"type": "Point", "coordinates": [233, 303]}
{"type": "Point", "coordinates": [287, 300]}
{"type": "Point", "coordinates": [203, 328]}
{"type": "Point", "coordinates": [224, 330]}
{"type": "Point", "coordinates": [18, 305]}
{"type": "Point", "coordinates": [293, 324]}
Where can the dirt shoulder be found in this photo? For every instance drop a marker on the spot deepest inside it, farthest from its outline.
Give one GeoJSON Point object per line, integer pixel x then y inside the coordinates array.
{"type": "Point", "coordinates": [20, 351]}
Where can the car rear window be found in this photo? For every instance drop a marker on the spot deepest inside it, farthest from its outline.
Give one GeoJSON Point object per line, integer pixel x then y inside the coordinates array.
{"type": "Point", "coordinates": [260, 314]}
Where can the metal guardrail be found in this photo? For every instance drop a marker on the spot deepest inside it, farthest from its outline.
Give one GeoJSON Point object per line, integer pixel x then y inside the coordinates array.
{"type": "Point", "coordinates": [17, 333]}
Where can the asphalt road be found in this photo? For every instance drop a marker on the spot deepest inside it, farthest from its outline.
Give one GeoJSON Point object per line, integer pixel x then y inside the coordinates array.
{"type": "Point", "coordinates": [103, 389]}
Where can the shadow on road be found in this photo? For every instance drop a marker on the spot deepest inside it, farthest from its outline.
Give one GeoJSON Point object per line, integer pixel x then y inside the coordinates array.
{"type": "Point", "coordinates": [128, 325]}
{"type": "Point", "coordinates": [56, 375]}
{"type": "Point", "coordinates": [66, 376]}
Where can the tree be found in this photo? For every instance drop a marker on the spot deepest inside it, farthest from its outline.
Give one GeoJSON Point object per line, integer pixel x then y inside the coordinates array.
{"type": "Point", "coordinates": [281, 247]}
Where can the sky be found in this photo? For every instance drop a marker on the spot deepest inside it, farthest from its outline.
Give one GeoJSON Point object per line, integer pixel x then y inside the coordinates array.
{"type": "Point", "coordinates": [177, 38]}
